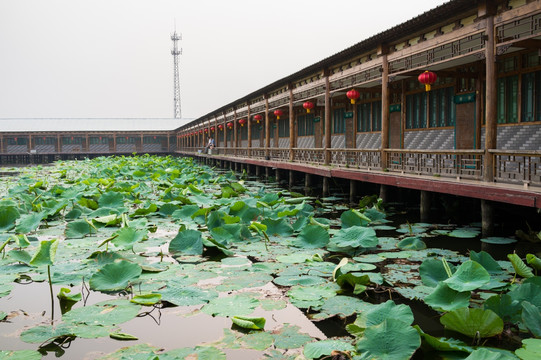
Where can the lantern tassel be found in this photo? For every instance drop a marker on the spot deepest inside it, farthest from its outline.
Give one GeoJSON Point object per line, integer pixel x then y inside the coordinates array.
{"type": "Point", "coordinates": [308, 111]}
{"type": "Point", "coordinates": [353, 101]}
{"type": "Point", "coordinates": [427, 87]}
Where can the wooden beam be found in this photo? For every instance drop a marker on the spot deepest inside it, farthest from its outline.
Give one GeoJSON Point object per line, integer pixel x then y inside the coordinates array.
{"type": "Point", "coordinates": [534, 44]}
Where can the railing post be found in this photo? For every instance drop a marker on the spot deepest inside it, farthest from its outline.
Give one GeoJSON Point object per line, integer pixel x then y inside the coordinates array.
{"type": "Point", "coordinates": [491, 95]}
{"type": "Point", "coordinates": [385, 101]}
{"type": "Point", "coordinates": [292, 128]}
{"type": "Point", "coordinates": [327, 147]}
{"type": "Point", "coordinates": [267, 128]}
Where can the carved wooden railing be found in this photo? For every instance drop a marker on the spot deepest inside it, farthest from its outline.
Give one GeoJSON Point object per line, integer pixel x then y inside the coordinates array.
{"type": "Point", "coordinates": [467, 164]}
{"type": "Point", "coordinates": [519, 167]}
{"type": "Point", "coordinates": [309, 155]}
{"type": "Point", "coordinates": [356, 158]}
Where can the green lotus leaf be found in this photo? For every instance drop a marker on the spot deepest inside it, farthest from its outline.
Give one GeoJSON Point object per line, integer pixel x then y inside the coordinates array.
{"type": "Point", "coordinates": [20, 354]}
{"type": "Point", "coordinates": [473, 322]}
{"type": "Point", "coordinates": [115, 276]}
{"type": "Point", "coordinates": [355, 237]}
{"type": "Point", "coordinates": [257, 323]}
{"type": "Point", "coordinates": [311, 237]}
{"type": "Point", "coordinates": [498, 240]}
{"type": "Point", "coordinates": [487, 261]}
{"type": "Point", "coordinates": [111, 199]}
{"type": "Point", "coordinates": [127, 236]}
{"type": "Point", "coordinates": [295, 258]}
{"type": "Point", "coordinates": [122, 336]}
{"type": "Point", "coordinates": [146, 299]}
{"type": "Point", "coordinates": [530, 350]}
{"type": "Point", "coordinates": [199, 353]}
{"type": "Point", "coordinates": [315, 350]}
{"type": "Point", "coordinates": [66, 294]}
{"type": "Point", "coordinates": [151, 208]}
{"type": "Point", "coordinates": [20, 255]}
{"type": "Point", "coordinates": [46, 333]}
{"type": "Point", "coordinates": [278, 227]}
{"type": "Point", "coordinates": [310, 293]}
{"type": "Point", "coordinates": [29, 223]}
{"type": "Point", "coordinates": [443, 344]}
{"type": "Point", "coordinates": [139, 352]}
{"type": "Point", "coordinates": [530, 292]}
{"type": "Point", "coordinates": [520, 267]}
{"type": "Point", "coordinates": [432, 271]}
{"type": "Point", "coordinates": [77, 229]}
{"type": "Point", "coordinates": [185, 212]}
{"type": "Point", "coordinates": [289, 337]}
{"type": "Point", "coordinates": [531, 318]}
{"type": "Point", "coordinates": [470, 275]}
{"type": "Point", "coordinates": [377, 314]}
{"type": "Point", "coordinates": [354, 267]}
{"type": "Point", "coordinates": [411, 243]}
{"type": "Point", "coordinates": [504, 306]}
{"type": "Point", "coordinates": [446, 299]}
{"type": "Point", "coordinates": [8, 217]}
{"type": "Point", "coordinates": [533, 261]}
{"type": "Point", "coordinates": [341, 306]}
{"type": "Point", "coordinates": [350, 218]}
{"type": "Point", "coordinates": [235, 305]}
{"type": "Point", "coordinates": [486, 354]}
{"type": "Point", "coordinates": [187, 242]}
{"type": "Point", "coordinates": [110, 312]}
{"type": "Point", "coordinates": [45, 254]}
{"type": "Point", "coordinates": [185, 295]}
{"type": "Point", "coordinates": [357, 282]}
{"type": "Point", "coordinates": [464, 233]}
{"type": "Point", "coordinates": [391, 339]}
{"type": "Point", "coordinates": [257, 340]}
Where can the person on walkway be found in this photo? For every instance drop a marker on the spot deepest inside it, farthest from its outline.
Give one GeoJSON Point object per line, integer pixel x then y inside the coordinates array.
{"type": "Point", "coordinates": [210, 145]}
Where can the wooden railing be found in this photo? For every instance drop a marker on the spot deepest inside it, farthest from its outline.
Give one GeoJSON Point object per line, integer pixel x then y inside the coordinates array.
{"type": "Point", "coordinates": [517, 167]}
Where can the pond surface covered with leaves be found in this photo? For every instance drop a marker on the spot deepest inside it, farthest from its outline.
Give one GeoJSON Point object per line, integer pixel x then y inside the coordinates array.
{"type": "Point", "coordinates": [161, 258]}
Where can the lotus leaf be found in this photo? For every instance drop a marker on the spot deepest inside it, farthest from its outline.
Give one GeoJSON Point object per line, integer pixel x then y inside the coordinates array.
{"type": "Point", "coordinates": [305, 280]}
{"type": "Point", "coordinates": [146, 299]}
{"type": "Point", "coordinates": [504, 305]}
{"type": "Point", "coordinates": [77, 229]}
{"type": "Point", "coordinates": [20, 255]}
{"type": "Point", "coordinates": [278, 227]}
{"type": "Point", "coordinates": [199, 353]}
{"type": "Point", "coordinates": [122, 336]}
{"type": "Point", "coordinates": [357, 282]}
{"type": "Point", "coordinates": [487, 261]}
{"type": "Point", "coordinates": [465, 233]}
{"type": "Point", "coordinates": [115, 276]}
{"type": "Point", "coordinates": [391, 339]}
{"type": "Point", "coordinates": [257, 323]}
{"type": "Point", "coordinates": [289, 337]}
{"type": "Point", "coordinates": [8, 216]}
{"type": "Point", "coordinates": [44, 333]}
{"type": "Point", "coordinates": [530, 350]}
{"type": "Point", "coordinates": [498, 240]}
{"type": "Point", "coordinates": [29, 223]}
{"type": "Point", "coordinates": [185, 212]}
{"type": "Point", "coordinates": [127, 236]}
{"type": "Point", "coordinates": [341, 306]}
{"type": "Point", "coordinates": [111, 199]}
{"type": "Point", "coordinates": [486, 354]}
{"type": "Point", "coordinates": [258, 340]}
{"type": "Point", "coordinates": [45, 254]}
{"type": "Point", "coordinates": [443, 344]}
{"type": "Point", "coordinates": [446, 299]}
{"type": "Point", "coordinates": [294, 258]}
{"type": "Point", "coordinates": [20, 354]}
{"type": "Point", "coordinates": [235, 305]}
{"type": "Point", "coordinates": [355, 237]}
{"type": "Point", "coordinates": [520, 267]}
{"type": "Point", "coordinates": [376, 314]}
{"type": "Point", "coordinates": [531, 318]}
{"type": "Point", "coordinates": [470, 275]}
{"type": "Point", "coordinates": [315, 350]}
{"type": "Point", "coordinates": [533, 261]}
{"type": "Point", "coordinates": [411, 243]}
{"type": "Point", "coordinates": [186, 296]}
{"type": "Point", "coordinates": [432, 271]}
{"type": "Point", "coordinates": [188, 242]}
{"type": "Point", "coordinates": [473, 322]}
{"type": "Point", "coordinates": [311, 237]}
{"type": "Point", "coordinates": [310, 293]}
{"type": "Point", "coordinates": [350, 218]}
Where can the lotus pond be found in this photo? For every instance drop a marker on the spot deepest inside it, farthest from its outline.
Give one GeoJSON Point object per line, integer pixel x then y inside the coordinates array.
{"type": "Point", "coordinates": [162, 258]}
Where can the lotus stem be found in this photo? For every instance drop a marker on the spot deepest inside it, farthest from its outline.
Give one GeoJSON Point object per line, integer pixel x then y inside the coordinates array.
{"type": "Point", "coordinates": [51, 291]}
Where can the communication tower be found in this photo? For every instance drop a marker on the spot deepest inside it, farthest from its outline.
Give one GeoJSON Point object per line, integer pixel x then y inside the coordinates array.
{"type": "Point", "coordinates": [176, 52]}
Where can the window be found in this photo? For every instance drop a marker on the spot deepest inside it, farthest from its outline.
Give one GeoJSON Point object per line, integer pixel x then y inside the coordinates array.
{"type": "Point", "coordinates": [442, 107]}
{"type": "Point", "coordinates": [99, 140]}
{"type": "Point", "coordinates": [507, 100]}
{"type": "Point", "coordinates": [152, 140]}
{"type": "Point", "coordinates": [283, 128]}
{"type": "Point", "coordinates": [364, 117]}
{"type": "Point", "coordinates": [338, 121]}
{"type": "Point", "coordinates": [416, 111]}
{"type": "Point", "coordinates": [376, 115]}
{"type": "Point", "coordinates": [125, 140]}
{"type": "Point", "coordinates": [305, 125]}
{"type": "Point", "coordinates": [45, 141]}
{"type": "Point", "coordinates": [255, 131]}
{"type": "Point", "coordinates": [243, 132]}
{"type": "Point", "coordinates": [72, 140]}
{"type": "Point", "coordinates": [531, 97]}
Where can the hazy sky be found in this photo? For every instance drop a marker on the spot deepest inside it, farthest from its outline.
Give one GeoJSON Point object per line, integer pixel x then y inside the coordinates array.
{"type": "Point", "coordinates": [111, 58]}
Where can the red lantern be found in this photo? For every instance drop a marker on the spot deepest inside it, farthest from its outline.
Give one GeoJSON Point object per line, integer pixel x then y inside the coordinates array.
{"type": "Point", "coordinates": [154, 137]}
{"type": "Point", "coordinates": [242, 122]}
{"type": "Point", "coordinates": [200, 131]}
{"type": "Point", "coordinates": [278, 113]}
{"type": "Point", "coordinates": [258, 118]}
{"type": "Point", "coordinates": [72, 138]}
{"type": "Point", "coordinates": [220, 127]}
{"type": "Point", "coordinates": [44, 138]}
{"type": "Point", "coordinates": [206, 130]}
{"type": "Point", "coordinates": [15, 139]}
{"type": "Point", "coordinates": [353, 95]}
{"type": "Point", "coordinates": [229, 125]}
{"type": "Point", "coordinates": [308, 106]}
{"type": "Point", "coordinates": [428, 78]}
{"type": "Point", "coordinates": [212, 128]}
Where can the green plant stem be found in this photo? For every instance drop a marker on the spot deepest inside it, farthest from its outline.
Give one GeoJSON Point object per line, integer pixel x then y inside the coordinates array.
{"type": "Point", "coordinates": [51, 291]}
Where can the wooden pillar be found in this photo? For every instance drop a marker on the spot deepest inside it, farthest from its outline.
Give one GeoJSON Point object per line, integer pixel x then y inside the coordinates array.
{"type": "Point", "coordinates": [491, 95]}
{"type": "Point", "coordinates": [235, 131]}
{"type": "Point", "coordinates": [257, 170]}
{"type": "Point", "coordinates": [385, 102]}
{"type": "Point", "coordinates": [267, 128]}
{"type": "Point", "coordinates": [308, 183]}
{"type": "Point", "coordinates": [487, 218]}
{"type": "Point", "coordinates": [291, 178]}
{"type": "Point", "coordinates": [425, 206]}
{"type": "Point", "coordinates": [267, 172]}
{"type": "Point", "coordinates": [327, 142]}
{"type": "Point", "coordinates": [58, 143]}
{"type": "Point", "coordinates": [325, 190]}
{"type": "Point", "coordinates": [292, 128]}
{"type": "Point", "coordinates": [225, 133]}
{"type": "Point", "coordinates": [249, 124]}
{"type": "Point", "coordinates": [352, 191]}
{"type": "Point", "coordinates": [277, 175]}
{"type": "Point", "coordinates": [383, 192]}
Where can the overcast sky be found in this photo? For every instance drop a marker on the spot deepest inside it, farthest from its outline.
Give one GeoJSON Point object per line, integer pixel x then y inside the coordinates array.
{"type": "Point", "coordinates": [112, 59]}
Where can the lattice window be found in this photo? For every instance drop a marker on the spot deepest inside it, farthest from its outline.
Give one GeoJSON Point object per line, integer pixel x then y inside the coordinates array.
{"type": "Point", "coordinates": [339, 121]}
{"type": "Point", "coordinates": [531, 96]}
{"type": "Point", "coordinates": [416, 111]}
{"type": "Point", "coordinates": [283, 128]}
{"type": "Point", "coordinates": [507, 100]}
{"type": "Point", "coordinates": [442, 108]}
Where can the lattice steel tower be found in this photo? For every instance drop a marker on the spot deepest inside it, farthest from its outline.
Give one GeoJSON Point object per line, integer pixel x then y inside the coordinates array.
{"type": "Point", "coordinates": [176, 52]}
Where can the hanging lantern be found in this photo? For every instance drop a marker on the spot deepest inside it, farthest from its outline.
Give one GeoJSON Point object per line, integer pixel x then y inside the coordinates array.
{"type": "Point", "coordinates": [200, 131]}
{"type": "Point", "coordinates": [278, 113]}
{"type": "Point", "coordinates": [242, 122]}
{"type": "Point", "coordinates": [15, 139]}
{"type": "Point", "coordinates": [154, 137]}
{"type": "Point", "coordinates": [258, 118]}
{"type": "Point", "coordinates": [308, 106]}
{"type": "Point", "coordinates": [72, 138]}
{"type": "Point", "coordinates": [353, 95]}
{"type": "Point", "coordinates": [212, 128]}
{"type": "Point", "coordinates": [206, 130]}
{"type": "Point", "coordinates": [428, 78]}
{"type": "Point", "coordinates": [229, 125]}
{"type": "Point", "coordinates": [221, 127]}
{"type": "Point", "coordinates": [44, 138]}
{"type": "Point", "coordinates": [100, 138]}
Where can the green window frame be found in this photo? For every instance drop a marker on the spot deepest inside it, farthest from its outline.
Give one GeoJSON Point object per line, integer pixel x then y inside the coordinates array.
{"type": "Point", "coordinates": [416, 111]}
{"type": "Point", "coordinates": [364, 114]}
{"type": "Point", "coordinates": [255, 131]}
{"type": "Point", "coordinates": [152, 140]}
{"type": "Point", "coordinates": [283, 128]}
{"type": "Point", "coordinates": [243, 132]}
{"type": "Point", "coordinates": [531, 97]}
{"type": "Point", "coordinates": [72, 141]}
{"type": "Point", "coordinates": [97, 140]}
{"type": "Point", "coordinates": [338, 121]}
{"type": "Point", "coordinates": [305, 125]}
{"type": "Point", "coordinates": [442, 107]}
{"type": "Point", "coordinates": [507, 98]}
{"type": "Point", "coordinates": [376, 115]}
